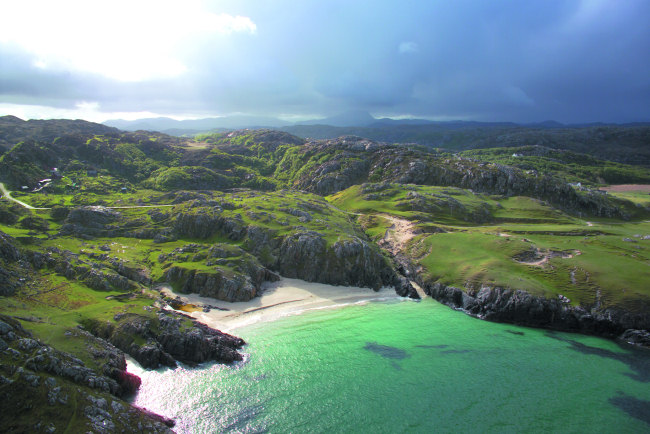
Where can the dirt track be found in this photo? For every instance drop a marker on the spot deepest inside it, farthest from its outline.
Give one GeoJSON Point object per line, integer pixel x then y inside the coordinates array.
{"type": "Point", "coordinates": [399, 234]}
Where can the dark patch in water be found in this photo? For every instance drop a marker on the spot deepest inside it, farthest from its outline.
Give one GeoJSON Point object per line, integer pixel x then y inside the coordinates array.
{"type": "Point", "coordinates": [431, 346]}
{"type": "Point", "coordinates": [637, 408]}
{"type": "Point", "coordinates": [637, 359]}
{"type": "Point", "coordinates": [514, 332]}
{"type": "Point", "coordinates": [455, 351]}
{"type": "Point", "coordinates": [396, 366]}
{"type": "Point", "coordinates": [244, 420]}
{"type": "Point", "coordinates": [386, 351]}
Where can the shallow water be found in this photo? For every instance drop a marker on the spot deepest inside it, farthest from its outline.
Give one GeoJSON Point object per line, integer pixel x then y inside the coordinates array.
{"type": "Point", "coordinates": [408, 366]}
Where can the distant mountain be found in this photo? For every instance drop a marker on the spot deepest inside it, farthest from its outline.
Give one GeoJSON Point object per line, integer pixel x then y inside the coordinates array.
{"type": "Point", "coordinates": [351, 118]}
{"type": "Point", "coordinates": [546, 124]}
{"type": "Point", "coordinates": [384, 122]}
{"type": "Point", "coordinates": [192, 126]}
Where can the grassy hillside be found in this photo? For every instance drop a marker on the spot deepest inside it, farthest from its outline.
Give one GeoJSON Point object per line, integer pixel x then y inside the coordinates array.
{"type": "Point", "coordinates": [468, 240]}
{"type": "Point", "coordinates": [218, 216]}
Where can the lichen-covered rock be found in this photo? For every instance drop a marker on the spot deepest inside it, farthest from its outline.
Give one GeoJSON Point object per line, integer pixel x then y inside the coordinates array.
{"type": "Point", "coordinates": [168, 337]}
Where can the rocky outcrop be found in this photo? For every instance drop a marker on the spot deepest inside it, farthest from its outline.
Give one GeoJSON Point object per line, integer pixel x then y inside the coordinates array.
{"type": "Point", "coordinates": [113, 379]}
{"type": "Point", "coordinates": [89, 221]}
{"type": "Point", "coordinates": [45, 389]}
{"type": "Point", "coordinates": [166, 338]}
{"type": "Point", "coordinates": [304, 254]}
{"type": "Point", "coordinates": [135, 274]}
{"type": "Point", "coordinates": [353, 160]}
{"type": "Point", "coordinates": [351, 261]}
{"type": "Point", "coordinates": [203, 223]}
{"type": "Point", "coordinates": [222, 271]}
{"type": "Point", "coordinates": [636, 337]}
{"type": "Point", "coordinates": [95, 275]}
{"type": "Point", "coordinates": [12, 274]}
{"type": "Point", "coordinates": [105, 280]}
{"type": "Point", "coordinates": [220, 284]}
{"type": "Point", "coordinates": [442, 203]}
{"type": "Point", "coordinates": [520, 307]}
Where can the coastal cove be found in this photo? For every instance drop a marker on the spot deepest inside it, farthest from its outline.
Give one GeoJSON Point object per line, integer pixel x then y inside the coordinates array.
{"type": "Point", "coordinates": [394, 364]}
{"type": "Point", "coordinates": [428, 217]}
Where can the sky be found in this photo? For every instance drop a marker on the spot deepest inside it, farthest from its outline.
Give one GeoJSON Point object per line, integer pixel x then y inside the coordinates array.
{"type": "Point", "coordinates": [571, 61]}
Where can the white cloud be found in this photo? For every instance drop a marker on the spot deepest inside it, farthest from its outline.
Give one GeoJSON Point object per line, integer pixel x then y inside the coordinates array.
{"type": "Point", "coordinates": [89, 111]}
{"type": "Point", "coordinates": [120, 39]}
{"type": "Point", "coordinates": [408, 47]}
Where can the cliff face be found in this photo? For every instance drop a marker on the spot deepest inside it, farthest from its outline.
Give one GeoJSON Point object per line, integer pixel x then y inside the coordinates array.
{"type": "Point", "coordinates": [345, 257]}
{"type": "Point", "coordinates": [351, 262]}
{"type": "Point", "coordinates": [519, 307]}
{"type": "Point", "coordinates": [221, 284]}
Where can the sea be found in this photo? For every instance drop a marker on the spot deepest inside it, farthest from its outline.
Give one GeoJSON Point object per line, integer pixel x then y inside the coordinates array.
{"type": "Point", "coordinates": [407, 366]}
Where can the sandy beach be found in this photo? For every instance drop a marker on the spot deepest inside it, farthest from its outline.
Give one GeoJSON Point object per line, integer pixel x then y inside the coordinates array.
{"type": "Point", "coordinates": [278, 299]}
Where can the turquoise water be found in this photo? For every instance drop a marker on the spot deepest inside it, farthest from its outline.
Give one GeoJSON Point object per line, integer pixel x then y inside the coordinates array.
{"type": "Point", "coordinates": [408, 366]}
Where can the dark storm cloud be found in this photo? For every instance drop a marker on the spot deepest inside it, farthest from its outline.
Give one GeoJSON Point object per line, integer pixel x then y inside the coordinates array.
{"type": "Point", "coordinates": [501, 60]}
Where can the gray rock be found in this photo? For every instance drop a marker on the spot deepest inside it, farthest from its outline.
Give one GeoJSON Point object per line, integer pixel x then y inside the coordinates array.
{"type": "Point", "coordinates": [5, 328]}
{"type": "Point", "coordinates": [520, 307]}
{"type": "Point", "coordinates": [636, 337]}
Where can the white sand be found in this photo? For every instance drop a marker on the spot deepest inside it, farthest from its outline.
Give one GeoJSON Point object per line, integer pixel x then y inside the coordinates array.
{"type": "Point", "coordinates": [278, 299]}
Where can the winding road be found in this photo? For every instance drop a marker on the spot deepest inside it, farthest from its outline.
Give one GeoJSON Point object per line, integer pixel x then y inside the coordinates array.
{"type": "Point", "coordinates": [7, 194]}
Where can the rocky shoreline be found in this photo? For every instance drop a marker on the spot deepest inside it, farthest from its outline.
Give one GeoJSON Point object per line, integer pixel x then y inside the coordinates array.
{"type": "Point", "coordinates": [35, 372]}
{"type": "Point", "coordinates": [519, 307]}
{"type": "Point", "coordinates": [170, 337]}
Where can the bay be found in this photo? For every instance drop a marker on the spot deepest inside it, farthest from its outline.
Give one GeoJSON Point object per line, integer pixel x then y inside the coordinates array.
{"type": "Point", "coordinates": [406, 366]}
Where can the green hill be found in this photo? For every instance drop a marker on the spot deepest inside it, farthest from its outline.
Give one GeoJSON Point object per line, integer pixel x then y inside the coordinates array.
{"type": "Point", "coordinates": [508, 238]}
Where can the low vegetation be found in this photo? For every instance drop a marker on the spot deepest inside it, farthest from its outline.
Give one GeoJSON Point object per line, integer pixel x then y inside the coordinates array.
{"type": "Point", "coordinates": [469, 240]}
{"type": "Point", "coordinates": [120, 214]}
